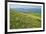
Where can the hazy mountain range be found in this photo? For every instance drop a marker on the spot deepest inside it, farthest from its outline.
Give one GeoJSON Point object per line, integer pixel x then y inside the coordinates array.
{"type": "Point", "coordinates": [25, 8]}
{"type": "Point", "coordinates": [37, 10]}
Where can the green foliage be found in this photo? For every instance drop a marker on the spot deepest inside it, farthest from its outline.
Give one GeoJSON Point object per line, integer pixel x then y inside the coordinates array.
{"type": "Point", "coordinates": [23, 20]}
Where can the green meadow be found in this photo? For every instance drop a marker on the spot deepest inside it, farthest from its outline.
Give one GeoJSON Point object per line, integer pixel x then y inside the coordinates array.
{"type": "Point", "coordinates": [20, 20]}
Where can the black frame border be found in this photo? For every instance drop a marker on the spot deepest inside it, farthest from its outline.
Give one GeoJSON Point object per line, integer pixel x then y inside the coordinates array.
{"type": "Point", "coordinates": [25, 2]}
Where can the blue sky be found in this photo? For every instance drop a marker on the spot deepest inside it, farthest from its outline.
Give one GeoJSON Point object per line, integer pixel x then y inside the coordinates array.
{"type": "Point", "coordinates": [23, 6]}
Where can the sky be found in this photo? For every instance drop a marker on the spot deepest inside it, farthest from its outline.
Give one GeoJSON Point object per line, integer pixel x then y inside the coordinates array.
{"type": "Point", "coordinates": [23, 6]}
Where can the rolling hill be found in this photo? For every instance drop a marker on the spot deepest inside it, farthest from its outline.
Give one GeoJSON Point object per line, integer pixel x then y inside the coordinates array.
{"type": "Point", "coordinates": [20, 20]}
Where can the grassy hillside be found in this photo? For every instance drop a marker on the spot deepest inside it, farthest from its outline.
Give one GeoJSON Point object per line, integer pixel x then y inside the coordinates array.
{"type": "Point", "coordinates": [24, 20]}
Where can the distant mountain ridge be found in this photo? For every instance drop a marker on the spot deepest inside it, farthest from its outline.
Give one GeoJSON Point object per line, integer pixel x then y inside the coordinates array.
{"type": "Point", "coordinates": [27, 9]}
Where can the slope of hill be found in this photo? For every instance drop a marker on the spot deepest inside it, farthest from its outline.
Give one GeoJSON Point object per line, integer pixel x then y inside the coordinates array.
{"type": "Point", "coordinates": [24, 20]}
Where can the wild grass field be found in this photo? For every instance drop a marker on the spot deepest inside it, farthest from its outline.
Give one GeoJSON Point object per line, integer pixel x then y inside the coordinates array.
{"type": "Point", "coordinates": [20, 20]}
